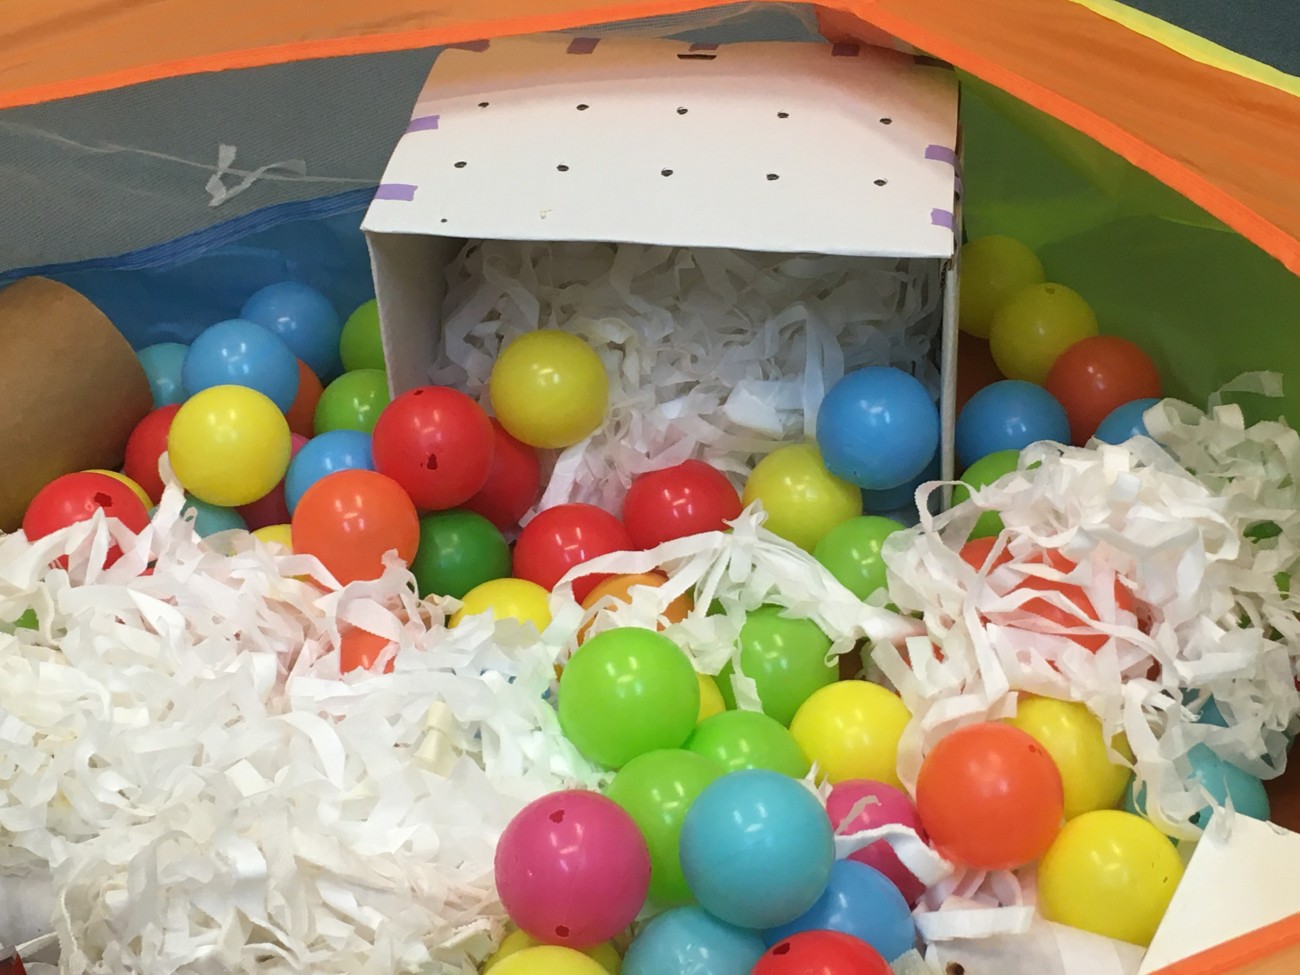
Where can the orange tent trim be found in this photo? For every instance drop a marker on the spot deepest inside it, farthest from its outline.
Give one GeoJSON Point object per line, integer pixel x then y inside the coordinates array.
{"type": "Point", "coordinates": [1271, 950]}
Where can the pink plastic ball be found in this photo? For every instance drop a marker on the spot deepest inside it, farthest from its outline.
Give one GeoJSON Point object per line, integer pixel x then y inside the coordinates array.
{"type": "Point", "coordinates": [885, 805]}
{"type": "Point", "coordinates": [572, 869]}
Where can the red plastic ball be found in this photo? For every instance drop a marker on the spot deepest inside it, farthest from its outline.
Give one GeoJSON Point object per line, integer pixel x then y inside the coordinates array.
{"type": "Point", "coordinates": [513, 482]}
{"type": "Point", "coordinates": [147, 443]}
{"type": "Point", "coordinates": [821, 953]}
{"type": "Point", "coordinates": [76, 497]}
{"type": "Point", "coordinates": [564, 536]}
{"type": "Point", "coordinates": [990, 797]}
{"type": "Point", "coordinates": [350, 519]}
{"type": "Point", "coordinates": [436, 443]}
{"type": "Point", "coordinates": [272, 508]}
{"type": "Point", "coordinates": [678, 501]}
{"type": "Point", "coordinates": [1096, 375]}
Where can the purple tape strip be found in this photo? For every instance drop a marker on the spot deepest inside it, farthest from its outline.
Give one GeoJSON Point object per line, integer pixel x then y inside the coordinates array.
{"type": "Point", "coordinates": [942, 154]}
{"type": "Point", "coordinates": [846, 50]}
{"type": "Point", "coordinates": [583, 45]}
{"type": "Point", "coordinates": [704, 47]}
{"type": "Point", "coordinates": [396, 191]}
{"type": "Point", "coordinates": [941, 218]}
{"type": "Point", "coordinates": [478, 47]}
{"type": "Point", "coordinates": [424, 123]}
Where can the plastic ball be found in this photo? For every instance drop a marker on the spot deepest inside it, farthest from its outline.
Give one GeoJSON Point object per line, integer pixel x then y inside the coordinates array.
{"type": "Point", "coordinates": [549, 389]}
{"type": "Point", "coordinates": [878, 428]}
{"type": "Point", "coordinates": [902, 499]}
{"type": "Point", "coordinates": [437, 443]}
{"type": "Point", "coordinates": [711, 700]}
{"type": "Point", "coordinates": [1221, 779]}
{"type": "Point", "coordinates": [145, 447]}
{"type": "Point", "coordinates": [1035, 326]}
{"type": "Point", "coordinates": [566, 536]}
{"type": "Point", "coordinates": [656, 789]}
{"type": "Point", "coordinates": [626, 692]}
{"type": "Point", "coordinates": [549, 960]}
{"type": "Point", "coordinates": [990, 797]}
{"type": "Point", "coordinates": [822, 953]}
{"type": "Point", "coordinates": [743, 740]}
{"type": "Point", "coordinates": [858, 901]}
{"type": "Point", "coordinates": [209, 519]}
{"type": "Point", "coordinates": [351, 519]}
{"type": "Point", "coordinates": [572, 869]}
{"type": "Point", "coordinates": [981, 474]}
{"type": "Point", "coordinates": [360, 342]}
{"type": "Point", "coordinates": [352, 402]}
{"type": "Point", "coordinates": [851, 730]}
{"type": "Point", "coordinates": [162, 363]}
{"type": "Point", "coordinates": [136, 489]}
{"type": "Point", "coordinates": [507, 599]}
{"type": "Point", "coordinates": [302, 415]}
{"type": "Point", "coordinates": [337, 450]}
{"type": "Point", "coordinates": [272, 508]}
{"type": "Point", "coordinates": [1111, 873]}
{"type": "Point", "coordinates": [276, 535]}
{"type": "Point", "coordinates": [1096, 375]}
{"type": "Point", "coordinates": [513, 483]}
{"type": "Point", "coordinates": [1125, 422]}
{"type": "Point", "coordinates": [360, 649]}
{"type": "Point", "coordinates": [619, 589]}
{"type": "Point", "coordinates": [884, 805]}
{"type": "Point", "coordinates": [803, 500]}
{"type": "Point", "coordinates": [458, 551]}
{"type": "Point", "coordinates": [77, 497]}
{"type": "Point", "coordinates": [304, 320]}
{"type": "Point", "coordinates": [687, 499]}
{"type": "Point", "coordinates": [993, 269]}
{"type": "Point", "coordinates": [851, 552]}
{"type": "Point", "coordinates": [229, 445]}
{"type": "Point", "coordinates": [242, 353]}
{"type": "Point", "coordinates": [1009, 415]}
{"type": "Point", "coordinates": [1073, 737]}
{"type": "Point", "coordinates": [690, 939]}
{"type": "Point", "coordinates": [786, 658]}
{"type": "Point", "coordinates": [604, 954]}
{"type": "Point", "coordinates": [756, 849]}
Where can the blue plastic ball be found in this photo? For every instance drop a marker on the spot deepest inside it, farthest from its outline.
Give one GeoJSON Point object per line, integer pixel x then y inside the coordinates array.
{"type": "Point", "coordinates": [162, 364]}
{"type": "Point", "coordinates": [689, 939]}
{"type": "Point", "coordinates": [877, 428]}
{"type": "Point", "coordinates": [1125, 422]}
{"type": "Point", "coordinates": [1222, 780]}
{"type": "Point", "coordinates": [860, 901]}
{"type": "Point", "coordinates": [756, 849]}
{"type": "Point", "coordinates": [304, 319]}
{"type": "Point", "coordinates": [242, 353]}
{"type": "Point", "coordinates": [904, 496]}
{"type": "Point", "coordinates": [1008, 415]}
{"type": "Point", "coordinates": [335, 450]}
{"type": "Point", "coordinates": [210, 519]}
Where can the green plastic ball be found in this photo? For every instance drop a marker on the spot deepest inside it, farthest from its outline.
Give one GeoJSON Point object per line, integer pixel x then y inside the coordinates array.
{"type": "Point", "coordinates": [739, 740]}
{"type": "Point", "coordinates": [981, 474]}
{"type": "Point", "coordinates": [352, 402]}
{"type": "Point", "coordinates": [458, 551]}
{"type": "Point", "coordinates": [360, 346]}
{"type": "Point", "coordinates": [851, 552]}
{"type": "Point", "coordinates": [785, 657]}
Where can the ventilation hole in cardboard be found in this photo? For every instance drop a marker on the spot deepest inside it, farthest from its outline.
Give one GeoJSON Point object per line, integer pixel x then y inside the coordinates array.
{"type": "Point", "coordinates": [461, 164]}
{"type": "Point", "coordinates": [583, 108]}
{"type": "Point", "coordinates": [103, 500]}
{"type": "Point", "coordinates": [880, 182]}
{"type": "Point", "coordinates": [682, 111]}
{"type": "Point", "coordinates": [773, 176]}
{"type": "Point", "coordinates": [557, 816]}
{"type": "Point", "coordinates": [955, 968]}
{"type": "Point", "coordinates": [886, 121]}
{"type": "Point", "coordinates": [782, 949]}
{"type": "Point", "coordinates": [665, 172]}
{"type": "Point", "coordinates": [483, 104]}
{"type": "Point", "coordinates": [782, 114]}
{"type": "Point", "coordinates": [562, 168]}
{"type": "Point", "coordinates": [696, 57]}
{"type": "Point", "coordinates": [443, 220]}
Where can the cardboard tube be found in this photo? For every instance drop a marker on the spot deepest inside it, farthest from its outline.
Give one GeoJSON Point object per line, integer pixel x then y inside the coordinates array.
{"type": "Point", "coordinates": [71, 391]}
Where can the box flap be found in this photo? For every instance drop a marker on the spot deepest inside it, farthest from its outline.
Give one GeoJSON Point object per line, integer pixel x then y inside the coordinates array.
{"type": "Point", "coordinates": [836, 149]}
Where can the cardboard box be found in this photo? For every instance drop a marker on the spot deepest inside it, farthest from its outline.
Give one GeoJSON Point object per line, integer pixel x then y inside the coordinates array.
{"type": "Point", "coordinates": [772, 147]}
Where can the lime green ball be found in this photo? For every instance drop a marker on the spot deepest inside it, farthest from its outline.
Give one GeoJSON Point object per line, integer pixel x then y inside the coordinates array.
{"type": "Point", "coordinates": [785, 657]}
{"type": "Point", "coordinates": [352, 402]}
{"type": "Point", "coordinates": [979, 475]}
{"type": "Point", "coordinates": [993, 268]}
{"type": "Point", "coordinates": [27, 621]}
{"type": "Point", "coordinates": [458, 551]}
{"type": "Point", "coordinates": [360, 345]}
{"type": "Point", "coordinates": [739, 740]}
{"type": "Point", "coordinates": [851, 552]}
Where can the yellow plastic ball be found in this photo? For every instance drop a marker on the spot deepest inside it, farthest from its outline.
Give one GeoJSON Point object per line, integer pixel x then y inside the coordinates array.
{"type": "Point", "coordinates": [135, 488]}
{"type": "Point", "coordinates": [850, 729]}
{"type": "Point", "coordinates": [993, 269]}
{"type": "Point", "coordinates": [548, 960]}
{"type": "Point", "coordinates": [603, 954]}
{"type": "Point", "coordinates": [1111, 873]}
{"type": "Point", "coordinates": [229, 445]}
{"type": "Point", "coordinates": [803, 500]}
{"type": "Point", "coordinates": [549, 389]}
{"type": "Point", "coordinates": [1073, 737]}
{"type": "Point", "coordinates": [1032, 329]}
{"type": "Point", "coordinates": [516, 599]}
{"type": "Point", "coordinates": [281, 535]}
{"type": "Point", "coordinates": [711, 701]}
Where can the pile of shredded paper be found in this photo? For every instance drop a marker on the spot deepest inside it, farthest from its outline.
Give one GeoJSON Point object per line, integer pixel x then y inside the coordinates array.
{"type": "Point", "coordinates": [184, 768]}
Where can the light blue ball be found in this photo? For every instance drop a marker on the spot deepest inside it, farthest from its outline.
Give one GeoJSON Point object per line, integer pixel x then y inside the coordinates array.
{"type": "Point", "coordinates": [1008, 415]}
{"type": "Point", "coordinates": [1125, 422]}
{"type": "Point", "coordinates": [690, 940]}
{"type": "Point", "coordinates": [335, 450]}
{"type": "Point", "coordinates": [241, 353]}
{"type": "Point", "coordinates": [859, 901]}
{"type": "Point", "coordinates": [1221, 779]}
{"type": "Point", "coordinates": [304, 319]}
{"type": "Point", "coordinates": [210, 519]}
{"type": "Point", "coordinates": [877, 428]}
{"type": "Point", "coordinates": [162, 364]}
{"type": "Point", "coordinates": [756, 849]}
